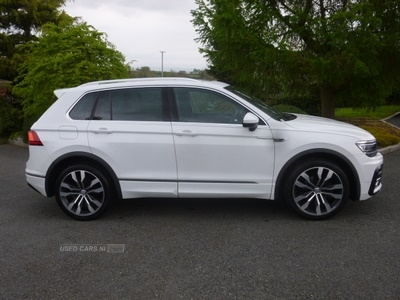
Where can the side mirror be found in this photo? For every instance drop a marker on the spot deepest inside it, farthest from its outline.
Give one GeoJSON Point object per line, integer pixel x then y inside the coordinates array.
{"type": "Point", "coordinates": [250, 121]}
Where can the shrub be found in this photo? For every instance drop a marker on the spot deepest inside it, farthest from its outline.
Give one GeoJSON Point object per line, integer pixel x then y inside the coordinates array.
{"type": "Point", "coordinates": [311, 104]}
{"type": "Point", "coordinates": [11, 118]}
{"type": "Point", "coordinates": [289, 109]}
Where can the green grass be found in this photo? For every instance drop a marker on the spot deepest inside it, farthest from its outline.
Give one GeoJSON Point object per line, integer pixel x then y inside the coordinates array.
{"type": "Point", "coordinates": [380, 112]}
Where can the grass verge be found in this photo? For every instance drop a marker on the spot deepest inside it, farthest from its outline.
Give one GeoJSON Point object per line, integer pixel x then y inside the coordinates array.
{"type": "Point", "coordinates": [370, 120]}
{"type": "Point", "coordinates": [385, 134]}
{"type": "Point", "coordinates": [380, 112]}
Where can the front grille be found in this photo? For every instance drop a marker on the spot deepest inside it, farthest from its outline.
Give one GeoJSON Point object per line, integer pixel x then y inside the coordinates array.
{"type": "Point", "coordinates": [376, 183]}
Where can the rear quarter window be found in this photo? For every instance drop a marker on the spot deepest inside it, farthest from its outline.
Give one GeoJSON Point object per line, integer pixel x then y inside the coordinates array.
{"type": "Point", "coordinates": [83, 108]}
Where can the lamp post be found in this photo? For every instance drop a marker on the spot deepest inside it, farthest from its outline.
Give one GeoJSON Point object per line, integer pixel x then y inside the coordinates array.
{"type": "Point", "coordinates": [162, 63]}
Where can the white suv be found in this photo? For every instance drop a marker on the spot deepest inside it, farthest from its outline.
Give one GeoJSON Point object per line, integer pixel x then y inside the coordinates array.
{"type": "Point", "coordinates": [176, 137]}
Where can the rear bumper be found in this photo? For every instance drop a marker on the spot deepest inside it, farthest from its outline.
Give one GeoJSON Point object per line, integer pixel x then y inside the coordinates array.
{"type": "Point", "coordinates": [37, 183]}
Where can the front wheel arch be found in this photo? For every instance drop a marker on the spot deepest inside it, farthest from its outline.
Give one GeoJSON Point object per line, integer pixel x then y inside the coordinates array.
{"type": "Point", "coordinates": [325, 154]}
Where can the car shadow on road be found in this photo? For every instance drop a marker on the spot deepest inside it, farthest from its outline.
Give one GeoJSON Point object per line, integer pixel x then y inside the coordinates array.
{"type": "Point", "coordinates": [200, 208]}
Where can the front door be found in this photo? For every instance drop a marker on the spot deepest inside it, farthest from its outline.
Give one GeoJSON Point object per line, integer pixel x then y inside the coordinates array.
{"type": "Point", "coordinates": [217, 156]}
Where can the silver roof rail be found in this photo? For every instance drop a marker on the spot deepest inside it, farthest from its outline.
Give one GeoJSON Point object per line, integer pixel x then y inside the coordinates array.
{"type": "Point", "coordinates": [147, 79]}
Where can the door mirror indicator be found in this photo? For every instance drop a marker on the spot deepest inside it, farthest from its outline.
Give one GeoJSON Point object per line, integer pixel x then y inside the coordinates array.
{"type": "Point", "coordinates": [250, 121]}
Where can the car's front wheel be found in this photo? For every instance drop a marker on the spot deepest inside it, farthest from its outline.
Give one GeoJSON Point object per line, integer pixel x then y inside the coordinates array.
{"type": "Point", "coordinates": [317, 189]}
{"type": "Point", "coordinates": [82, 192]}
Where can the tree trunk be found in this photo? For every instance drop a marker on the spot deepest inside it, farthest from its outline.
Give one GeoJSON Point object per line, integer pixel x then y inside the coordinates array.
{"type": "Point", "coordinates": [327, 102]}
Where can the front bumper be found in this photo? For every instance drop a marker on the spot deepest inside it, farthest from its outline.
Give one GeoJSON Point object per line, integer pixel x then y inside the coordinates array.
{"type": "Point", "coordinates": [376, 183]}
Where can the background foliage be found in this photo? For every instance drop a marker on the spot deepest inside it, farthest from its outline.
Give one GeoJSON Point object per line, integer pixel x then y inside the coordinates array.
{"type": "Point", "coordinates": [11, 118]}
{"type": "Point", "coordinates": [344, 52]}
{"type": "Point", "coordinates": [20, 21]}
{"type": "Point", "coordinates": [66, 55]}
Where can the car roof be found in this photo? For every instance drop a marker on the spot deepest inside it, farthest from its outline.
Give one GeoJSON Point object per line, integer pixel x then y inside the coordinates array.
{"type": "Point", "coordinates": [142, 81]}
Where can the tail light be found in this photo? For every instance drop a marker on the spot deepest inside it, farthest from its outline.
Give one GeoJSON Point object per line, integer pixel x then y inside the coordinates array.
{"type": "Point", "coordinates": [34, 139]}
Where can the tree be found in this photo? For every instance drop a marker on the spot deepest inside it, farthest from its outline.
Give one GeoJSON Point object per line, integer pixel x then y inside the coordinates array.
{"type": "Point", "coordinates": [66, 55]}
{"type": "Point", "coordinates": [143, 72]}
{"type": "Point", "coordinates": [348, 50]}
{"type": "Point", "coordinates": [20, 20]}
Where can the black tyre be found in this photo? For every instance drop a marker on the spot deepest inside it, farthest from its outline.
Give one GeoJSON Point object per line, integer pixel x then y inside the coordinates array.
{"type": "Point", "coordinates": [316, 189]}
{"type": "Point", "coordinates": [82, 192]}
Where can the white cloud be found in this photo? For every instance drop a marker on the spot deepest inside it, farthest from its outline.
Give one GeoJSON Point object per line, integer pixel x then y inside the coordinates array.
{"type": "Point", "coordinates": [141, 29]}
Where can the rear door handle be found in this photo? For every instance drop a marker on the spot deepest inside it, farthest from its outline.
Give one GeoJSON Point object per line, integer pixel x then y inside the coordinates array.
{"type": "Point", "coordinates": [186, 133]}
{"type": "Point", "coordinates": [102, 131]}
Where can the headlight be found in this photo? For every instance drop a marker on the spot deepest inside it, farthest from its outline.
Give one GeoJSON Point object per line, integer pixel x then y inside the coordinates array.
{"type": "Point", "coordinates": [370, 148]}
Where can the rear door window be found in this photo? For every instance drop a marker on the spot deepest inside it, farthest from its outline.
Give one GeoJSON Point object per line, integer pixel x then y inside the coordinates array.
{"type": "Point", "coordinates": [137, 104]}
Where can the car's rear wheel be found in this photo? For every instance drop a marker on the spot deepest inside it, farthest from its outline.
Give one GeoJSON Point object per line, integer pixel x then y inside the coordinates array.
{"type": "Point", "coordinates": [82, 192]}
{"type": "Point", "coordinates": [317, 189]}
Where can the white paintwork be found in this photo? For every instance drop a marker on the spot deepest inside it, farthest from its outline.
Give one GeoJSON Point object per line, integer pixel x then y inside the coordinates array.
{"type": "Point", "coordinates": [135, 150]}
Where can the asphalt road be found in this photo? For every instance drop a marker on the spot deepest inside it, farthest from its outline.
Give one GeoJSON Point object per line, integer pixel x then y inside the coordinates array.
{"type": "Point", "coordinates": [196, 249]}
{"type": "Point", "coordinates": [395, 120]}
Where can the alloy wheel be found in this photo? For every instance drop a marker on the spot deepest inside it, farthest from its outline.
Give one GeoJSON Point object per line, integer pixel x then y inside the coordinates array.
{"type": "Point", "coordinates": [318, 191]}
{"type": "Point", "coordinates": [82, 193]}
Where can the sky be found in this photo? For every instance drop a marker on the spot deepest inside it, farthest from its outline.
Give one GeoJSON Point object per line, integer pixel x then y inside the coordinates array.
{"type": "Point", "coordinates": [141, 29]}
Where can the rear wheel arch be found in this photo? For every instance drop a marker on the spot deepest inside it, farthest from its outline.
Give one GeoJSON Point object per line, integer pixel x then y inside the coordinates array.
{"type": "Point", "coordinates": [325, 154]}
{"type": "Point", "coordinates": [63, 162]}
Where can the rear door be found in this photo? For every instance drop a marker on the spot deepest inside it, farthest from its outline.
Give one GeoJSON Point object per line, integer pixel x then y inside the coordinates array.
{"type": "Point", "coordinates": [216, 155]}
{"type": "Point", "coordinates": [130, 129]}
